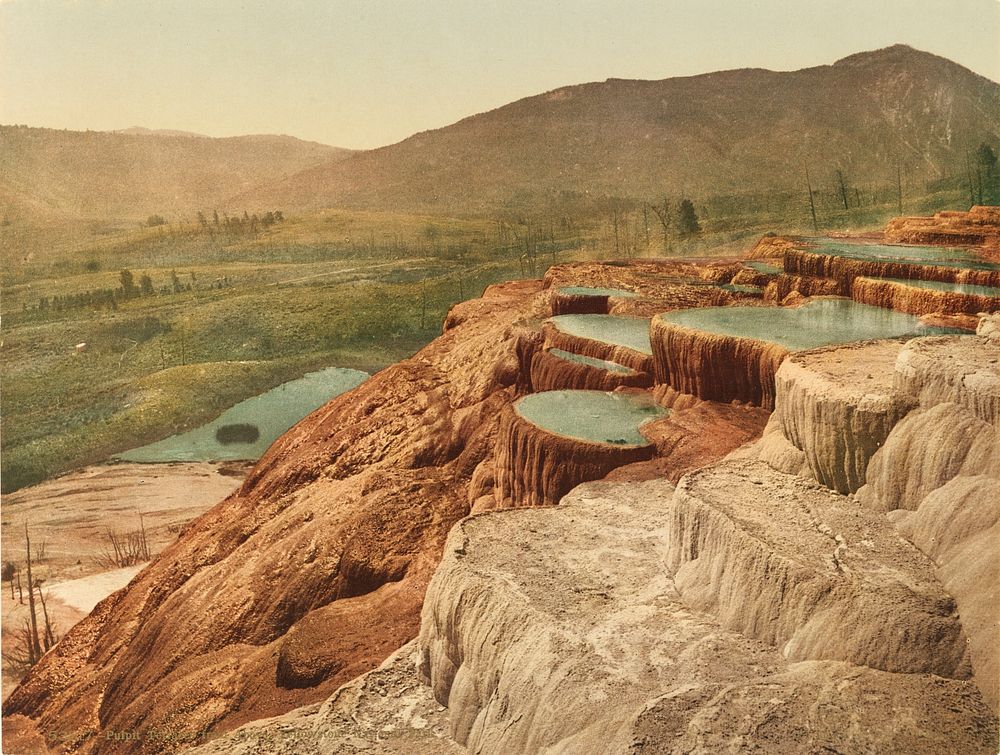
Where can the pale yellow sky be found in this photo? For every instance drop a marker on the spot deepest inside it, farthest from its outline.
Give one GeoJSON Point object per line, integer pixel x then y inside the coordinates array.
{"type": "Point", "coordinates": [364, 73]}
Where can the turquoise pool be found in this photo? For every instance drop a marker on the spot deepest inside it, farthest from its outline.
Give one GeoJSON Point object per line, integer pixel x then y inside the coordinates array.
{"type": "Point", "coordinates": [594, 416]}
{"type": "Point", "coordinates": [764, 267]}
{"type": "Point", "coordinates": [821, 322]}
{"type": "Point", "coordinates": [602, 364]}
{"type": "Point", "coordinates": [588, 291]}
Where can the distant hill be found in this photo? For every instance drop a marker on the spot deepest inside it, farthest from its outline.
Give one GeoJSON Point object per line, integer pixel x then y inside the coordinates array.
{"type": "Point", "coordinates": [48, 174]}
{"type": "Point", "coordinates": [143, 131]}
{"type": "Point", "coordinates": [728, 132]}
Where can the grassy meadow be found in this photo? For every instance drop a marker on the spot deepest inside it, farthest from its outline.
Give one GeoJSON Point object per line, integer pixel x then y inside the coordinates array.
{"type": "Point", "coordinates": [215, 315]}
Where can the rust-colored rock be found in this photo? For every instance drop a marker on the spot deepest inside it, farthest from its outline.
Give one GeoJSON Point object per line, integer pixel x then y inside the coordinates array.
{"type": "Point", "coordinates": [715, 367]}
{"type": "Point", "coordinates": [313, 572]}
{"type": "Point", "coordinates": [635, 360]}
{"type": "Point", "coordinates": [780, 288]}
{"type": "Point", "coordinates": [980, 226]}
{"type": "Point", "coordinates": [920, 301]}
{"type": "Point", "coordinates": [550, 371]}
{"type": "Point", "coordinates": [535, 467]}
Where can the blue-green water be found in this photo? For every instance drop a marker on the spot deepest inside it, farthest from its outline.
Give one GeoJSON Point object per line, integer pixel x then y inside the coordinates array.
{"type": "Point", "coordinates": [631, 332]}
{"type": "Point", "coordinates": [764, 267]}
{"type": "Point", "coordinates": [741, 288]}
{"type": "Point", "coordinates": [231, 435]}
{"type": "Point", "coordinates": [588, 291]}
{"type": "Point", "coordinates": [939, 256]}
{"type": "Point", "coordinates": [822, 322]}
{"type": "Point", "coordinates": [957, 288]}
{"type": "Point", "coordinates": [602, 364]}
{"type": "Point", "coordinates": [593, 416]}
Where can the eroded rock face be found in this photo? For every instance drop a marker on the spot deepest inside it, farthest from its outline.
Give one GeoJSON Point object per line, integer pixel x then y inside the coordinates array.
{"type": "Point", "coordinates": [837, 405]}
{"type": "Point", "coordinates": [387, 711]}
{"type": "Point", "coordinates": [919, 301]}
{"type": "Point", "coordinates": [714, 367]}
{"type": "Point", "coordinates": [918, 425]}
{"type": "Point", "coordinates": [552, 372]}
{"type": "Point", "coordinates": [635, 360]}
{"type": "Point", "coordinates": [312, 572]}
{"type": "Point", "coordinates": [779, 289]}
{"type": "Point", "coordinates": [786, 561]}
{"type": "Point", "coordinates": [535, 467]}
{"type": "Point", "coordinates": [588, 647]}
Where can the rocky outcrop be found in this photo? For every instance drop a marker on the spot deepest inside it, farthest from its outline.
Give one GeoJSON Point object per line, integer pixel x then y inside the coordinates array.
{"type": "Point", "coordinates": [837, 405]}
{"type": "Point", "coordinates": [535, 467]}
{"type": "Point", "coordinates": [958, 525]}
{"type": "Point", "coordinates": [388, 711]}
{"type": "Point", "coordinates": [919, 301]}
{"type": "Point", "coordinates": [915, 429]}
{"type": "Point", "coordinates": [311, 573]}
{"type": "Point", "coordinates": [978, 226]}
{"type": "Point", "coordinates": [714, 367]}
{"type": "Point", "coordinates": [827, 582]}
{"type": "Point", "coordinates": [845, 270]}
{"type": "Point", "coordinates": [549, 371]}
{"type": "Point", "coordinates": [694, 434]}
{"type": "Point", "coordinates": [559, 630]}
{"type": "Point", "coordinates": [772, 248]}
{"type": "Point", "coordinates": [780, 288]}
{"type": "Point", "coordinates": [635, 360]}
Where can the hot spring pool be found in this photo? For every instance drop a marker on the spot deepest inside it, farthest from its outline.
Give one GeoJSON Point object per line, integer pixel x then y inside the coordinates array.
{"type": "Point", "coordinates": [939, 256]}
{"type": "Point", "coordinates": [247, 430]}
{"type": "Point", "coordinates": [593, 416]}
{"type": "Point", "coordinates": [631, 332]}
{"type": "Point", "coordinates": [969, 289]}
{"type": "Point", "coordinates": [602, 364]}
{"type": "Point", "coordinates": [822, 322]}
{"type": "Point", "coordinates": [588, 291]}
{"type": "Point", "coordinates": [764, 267]}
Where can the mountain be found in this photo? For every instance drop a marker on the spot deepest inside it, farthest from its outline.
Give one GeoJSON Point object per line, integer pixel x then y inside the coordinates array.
{"type": "Point", "coordinates": [143, 131]}
{"type": "Point", "coordinates": [727, 132]}
{"type": "Point", "coordinates": [49, 174]}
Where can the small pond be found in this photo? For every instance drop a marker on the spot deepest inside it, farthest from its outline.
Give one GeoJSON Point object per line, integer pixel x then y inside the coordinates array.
{"type": "Point", "coordinates": [594, 416]}
{"type": "Point", "coordinates": [631, 332]}
{"type": "Point", "coordinates": [821, 322]}
{"type": "Point", "coordinates": [247, 430]}
{"type": "Point", "coordinates": [601, 364]}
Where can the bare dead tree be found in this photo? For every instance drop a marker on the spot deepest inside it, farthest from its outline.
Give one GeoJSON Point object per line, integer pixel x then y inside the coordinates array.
{"type": "Point", "coordinates": [122, 549]}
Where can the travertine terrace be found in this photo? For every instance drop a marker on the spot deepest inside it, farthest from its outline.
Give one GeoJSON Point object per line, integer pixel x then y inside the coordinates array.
{"type": "Point", "coordinates": [826, 582]}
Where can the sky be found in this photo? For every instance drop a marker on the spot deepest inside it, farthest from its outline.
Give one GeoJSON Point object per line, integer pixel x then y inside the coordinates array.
{"type": "Point", "coordinates": [365, 73]}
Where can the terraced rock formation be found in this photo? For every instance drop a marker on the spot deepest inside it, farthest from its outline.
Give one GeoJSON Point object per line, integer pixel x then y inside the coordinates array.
{"type": "Point", "coordinates": [914, 429]}
{"type": "Point", "coordinates": [917, 300]}
{"type": "Point", "coordinates": [553, 369]}
{"type": "Point", "coordinates": [594, 646]}
{"type": "Point", "coordinates": [980, 226]}
{"type": "Point", "coordinates": [845, 270]}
